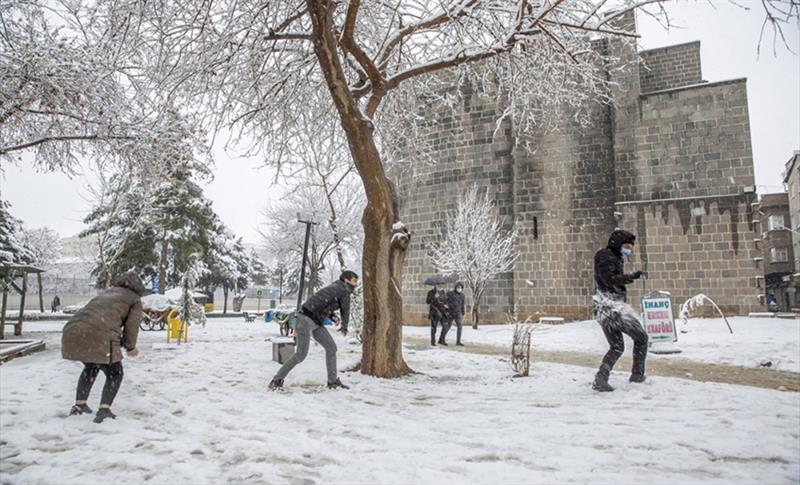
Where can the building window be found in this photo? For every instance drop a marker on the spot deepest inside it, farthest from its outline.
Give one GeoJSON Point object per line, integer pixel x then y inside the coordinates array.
{"type": "Point", "coordinates": [776, 222]}
{"type": "Point", "coordinates": [779, 255]}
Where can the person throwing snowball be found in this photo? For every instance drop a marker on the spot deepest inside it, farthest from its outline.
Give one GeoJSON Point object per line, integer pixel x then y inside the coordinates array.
{"type": "Point", "coordinates": [612, 312]}
{"type": "Point", "coordinates": [310, 323]}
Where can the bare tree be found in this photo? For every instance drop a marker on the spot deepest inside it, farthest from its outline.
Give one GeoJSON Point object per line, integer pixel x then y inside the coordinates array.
{"type": "Point", "coordinates": [284, 237]}
{"type": "Point", "coordinates": [474, 245]}
{"type": "Point", "coordinates": [72, 87]}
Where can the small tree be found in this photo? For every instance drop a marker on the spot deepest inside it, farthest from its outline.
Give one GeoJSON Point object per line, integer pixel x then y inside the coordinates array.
{"type": "Point", "coordinates": [12, 249]}
{"type": "Point", "coordinates": [189, 310]}
{"type": "Point", "coordinates": [474, 245]}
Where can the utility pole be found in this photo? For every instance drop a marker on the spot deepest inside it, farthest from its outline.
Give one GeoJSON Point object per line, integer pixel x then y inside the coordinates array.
{"type": "Point", "coordinates": [308, 222]}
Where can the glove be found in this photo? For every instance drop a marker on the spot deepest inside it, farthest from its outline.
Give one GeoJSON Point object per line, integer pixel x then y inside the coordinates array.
{"type": "Point", "coordinates": [638, 274]}
{"type": "Point", "coordinates": [344, 331]}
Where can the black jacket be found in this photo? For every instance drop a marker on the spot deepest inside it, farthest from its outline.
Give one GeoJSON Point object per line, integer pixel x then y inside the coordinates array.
{"type": "Point", "coordinates": [455, 302]}
{"type": "Point", "coordinates": [436, 301]}
{"type": "Point", "coordinates": [323, 303]}
{"type": "Point", "coordinates": [609, 274]}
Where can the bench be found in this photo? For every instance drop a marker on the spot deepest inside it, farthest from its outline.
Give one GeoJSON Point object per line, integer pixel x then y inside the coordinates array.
{"type": "Point", "coordinates": [551, 320]}
{"type": "Point", "coordinates": [249, 317]}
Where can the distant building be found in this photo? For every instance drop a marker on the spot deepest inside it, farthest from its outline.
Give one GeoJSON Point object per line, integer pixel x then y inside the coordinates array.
{"type": "Point", "coordinates": [791, 180]}
{"type": "Point", "coordinates": [778, 256]}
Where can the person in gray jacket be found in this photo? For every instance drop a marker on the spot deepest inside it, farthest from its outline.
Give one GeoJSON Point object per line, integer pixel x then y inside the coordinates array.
{"type": "Point", "coordinates": [96, 335]}
{"type": "Point", "coordinates": [310, 323]}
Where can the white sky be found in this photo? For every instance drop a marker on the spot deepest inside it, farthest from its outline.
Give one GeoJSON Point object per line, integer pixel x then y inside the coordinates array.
{"type": "Point", "coordinates": [728, 35]}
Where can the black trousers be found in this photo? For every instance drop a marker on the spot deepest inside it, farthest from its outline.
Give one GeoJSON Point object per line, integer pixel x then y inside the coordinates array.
{"type": "Point", "coordinates": [445, 328]}
{"type": "Point", "coordinates": [616, 344]}
{"type": "Point", "coordinates": [113, 374]}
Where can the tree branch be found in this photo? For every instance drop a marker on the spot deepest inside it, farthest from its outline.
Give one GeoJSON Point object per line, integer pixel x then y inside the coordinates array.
{"type": "Point", "coordinates": [47, 139]}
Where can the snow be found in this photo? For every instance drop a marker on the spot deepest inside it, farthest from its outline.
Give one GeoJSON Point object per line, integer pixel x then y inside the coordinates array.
{"type": "Point", "coordinates": [754, 340]}
{"type": "Point", "coordinates": [175, 294]}
{"type": "Point", "coordinates": [157, 302]}
{"type": "Point", "coordinates": [199, 413]}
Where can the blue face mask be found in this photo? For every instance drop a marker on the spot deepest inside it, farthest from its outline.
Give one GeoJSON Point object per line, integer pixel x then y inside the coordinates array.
{"type": "Point", "coordinates": [626, 252]}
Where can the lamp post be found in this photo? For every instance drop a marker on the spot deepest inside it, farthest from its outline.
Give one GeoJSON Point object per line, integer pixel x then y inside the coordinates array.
{"type": "Point", "coordinates": [308, 222]}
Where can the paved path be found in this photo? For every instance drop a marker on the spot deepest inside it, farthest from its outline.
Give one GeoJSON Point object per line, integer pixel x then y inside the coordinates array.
{"type": "Point", "coordinates": [672, 367]}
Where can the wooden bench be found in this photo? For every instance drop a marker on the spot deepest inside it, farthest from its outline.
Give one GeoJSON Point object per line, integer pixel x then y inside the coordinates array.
{"type": "Point", "coordinates": [249, 317]}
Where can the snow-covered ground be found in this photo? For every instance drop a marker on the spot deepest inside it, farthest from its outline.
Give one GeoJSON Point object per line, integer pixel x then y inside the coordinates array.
{"type": "Point", "coordinates": [201, 414]}
{"type": "Point", "coordinates": [754, 340]}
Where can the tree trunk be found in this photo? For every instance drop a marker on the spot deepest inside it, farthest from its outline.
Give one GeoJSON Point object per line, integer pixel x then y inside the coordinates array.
{"type": "Point", "coordinates": [384, 245]}
{"type": "Point", "coordinates": [225, 301]}
{"type": "Point", "coordinates": [162, 267]}
{"type": "Point", "coordinates": [477, 296]}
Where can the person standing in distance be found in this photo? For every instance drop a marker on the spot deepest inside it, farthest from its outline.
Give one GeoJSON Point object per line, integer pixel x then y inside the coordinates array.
{"type": "Point", "coordinates": [310, 323]}
{"type": "Point", "coordinates": [613, 313]}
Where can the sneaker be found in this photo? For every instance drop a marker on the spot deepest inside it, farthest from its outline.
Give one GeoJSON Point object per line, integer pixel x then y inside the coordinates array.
{"type": "Point", "coordinates": [637, 378]}
{"type": "Point", "coordinates": [80, 409]}
{"type": "Point", "coordinates": [104, 413]}
{"type": "Point", "coordinates": [459, 344]}
{"type": "Point", "coordinates": [443, 343]}
{"type": "Point", "coordinates": [275, 384]}
{"type": "Point", "coordinates": [337, 385]}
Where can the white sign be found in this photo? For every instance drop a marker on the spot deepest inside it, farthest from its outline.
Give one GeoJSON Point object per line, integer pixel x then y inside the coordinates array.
{"type": "Point", "coordinates": [658, 322]}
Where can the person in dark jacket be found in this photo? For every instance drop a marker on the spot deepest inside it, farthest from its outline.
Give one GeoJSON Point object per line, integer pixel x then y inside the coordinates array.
{"type": "Point", "coordinates": [56, 304]}
{"type": "Point", "coordinates": [455, 306]}
{"type": "Point", "coordinates": [310, 323]}
{"type": "Point", "coordinates": [612, 312]}
{"type": "Point", "coordinates": [437, 313]}
{"type": "Point", "coordinates": [96, 335]}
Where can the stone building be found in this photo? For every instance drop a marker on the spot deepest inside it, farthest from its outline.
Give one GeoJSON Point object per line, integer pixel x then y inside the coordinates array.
{"type": "Point", "coordinates": [671, 161]}
{"type": "Point", "coordinates": [777, 255]}
{"type": "Point", "coordinates": [791, 180]}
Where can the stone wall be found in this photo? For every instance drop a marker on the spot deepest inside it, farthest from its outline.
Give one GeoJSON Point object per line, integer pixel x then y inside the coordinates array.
{"type": "Point", "coordinates": [671, 166]}
{"type": "Point", "coordinates": [468, 154]}
{"type": "Point", "coordinates": [688, 251]}
{"type": "Point", "coordinates": [670, 67]}
{"type": "Point", "coordinates": [690, 142]}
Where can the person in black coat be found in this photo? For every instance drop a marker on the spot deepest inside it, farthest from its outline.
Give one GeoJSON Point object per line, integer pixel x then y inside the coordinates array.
{"type": "Point", "coordinates": [309, 323]}
{"type": "Point", "coordinates": [437, 313]}
{"type": "Point", "coordinates": [455, 304]}
{"type": "Point", "coordinates": [613, 313]}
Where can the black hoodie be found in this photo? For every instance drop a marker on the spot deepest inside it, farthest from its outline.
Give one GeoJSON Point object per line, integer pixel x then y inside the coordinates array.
{"type": "Point", "coordinates": [609, 274]}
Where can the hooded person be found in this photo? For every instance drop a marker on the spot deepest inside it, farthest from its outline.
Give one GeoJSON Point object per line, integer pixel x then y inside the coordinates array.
{"type": "Point", "coordinates": [455, 304]}
{"type": "Point", "coordinates": [310, 321]}
{"type": "Point", "coordinates": [612, 311]}
{"type": "Point", "coordinates": [96, 335]}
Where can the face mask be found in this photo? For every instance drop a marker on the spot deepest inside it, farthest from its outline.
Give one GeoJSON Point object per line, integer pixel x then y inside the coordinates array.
{"type": "Point", "coordinates": [458, 290]}
{"type": "Point", "coordinates": [626, 252]}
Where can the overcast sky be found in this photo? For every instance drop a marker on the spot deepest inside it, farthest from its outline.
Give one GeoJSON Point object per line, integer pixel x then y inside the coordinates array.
{"type": "Point", "coordinates": [728, 35]}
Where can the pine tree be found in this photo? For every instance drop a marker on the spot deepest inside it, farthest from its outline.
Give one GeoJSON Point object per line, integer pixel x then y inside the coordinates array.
{"type": "Point", "coordinates": [12, 248]}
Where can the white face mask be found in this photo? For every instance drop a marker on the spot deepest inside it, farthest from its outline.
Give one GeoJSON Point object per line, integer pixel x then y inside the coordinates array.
{"type": "Point", "coordinates": [458, 290]}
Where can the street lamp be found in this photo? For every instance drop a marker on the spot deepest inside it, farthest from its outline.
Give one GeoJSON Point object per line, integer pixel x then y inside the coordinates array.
{"type": "Point", "coordinates": [308, 221]}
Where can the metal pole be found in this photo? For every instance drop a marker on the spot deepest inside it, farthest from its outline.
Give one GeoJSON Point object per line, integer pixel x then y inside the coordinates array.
{"type": "Point", "coordinates": [303, 265]}
{"type": "Point", "coordinates": [280, 286]}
